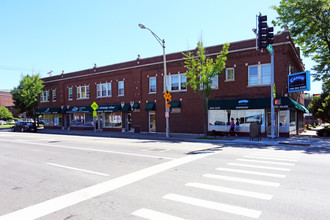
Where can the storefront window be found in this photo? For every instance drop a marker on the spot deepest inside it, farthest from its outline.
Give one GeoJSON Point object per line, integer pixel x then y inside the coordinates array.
{"type": "Point", "coordinates": [82, 119]}
{"type": "Point", "coordinates": [113, 120]}
{"type": "Point", "coordinates": [53, 119]}
{"type": "Point", "coordinates": [292, 120]}
{"type": "Point", "coordinates": [283, 118]}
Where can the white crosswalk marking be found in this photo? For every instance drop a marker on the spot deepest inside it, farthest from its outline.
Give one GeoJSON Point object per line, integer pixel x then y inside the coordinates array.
{"type": "Point", "coordinates": [214, 205]}
{"type": "Point", "coordinates": [154, 215]}
{"type": "Point", "coordinates": [271, 158]}
{"type": "Point", "coordinates": [255, 166]}
{"type": "Point", "coordinates": [269, 162]}
{"type": "Point", "coordinates": [242, 180]}
{"type": "Point", "coordinates": [231, 191]}
{"type": "Point", "coordinates": [251, 172]}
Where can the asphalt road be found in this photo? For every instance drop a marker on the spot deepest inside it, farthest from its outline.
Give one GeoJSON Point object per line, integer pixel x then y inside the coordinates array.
{"type": "Point", "coordinates": [70, 177]}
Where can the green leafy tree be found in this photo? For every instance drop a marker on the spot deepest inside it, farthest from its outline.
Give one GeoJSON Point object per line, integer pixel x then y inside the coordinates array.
{"type": "Point", "coordinates": [25, 95]}
{"type": "Point", "coordinates": [200, 71]}
{"type": "Point", "coordinates": [5, 113]}
{"type": "Point", "coordinates": [320, 105]}
{"type": "Point", "coordinates": [309, 24]}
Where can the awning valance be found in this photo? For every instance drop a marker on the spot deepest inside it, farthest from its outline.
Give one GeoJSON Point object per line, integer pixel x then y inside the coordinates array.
{"type": "Point", "coordinates": [150, 106]}
{"type": "Point", "coordinates": [176, 104]}
{"type": "Point", "coordinates": [254, 103]}
{"type": "Point", "coordinates": [136, 106]}
{"type": "Point", "coordinates": [43, 111]}
{"type": "Point", "coordinates": [108, 108]}
{"type": "Point", "coordinates": [126, 108]}
{"type": "Point", "coordinates": [79, 109]}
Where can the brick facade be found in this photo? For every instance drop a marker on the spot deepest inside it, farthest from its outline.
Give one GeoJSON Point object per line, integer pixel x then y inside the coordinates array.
{"type": "Point", "coordinates": [136, 74]}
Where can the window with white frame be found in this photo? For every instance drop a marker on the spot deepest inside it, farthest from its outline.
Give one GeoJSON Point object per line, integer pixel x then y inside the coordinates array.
{"type": "Point", "coordinates": [230, 74]}
{"type": "Point", "coordinates": [44, 96]}
{"type": "Point", "coordinates": [104, 90]}
{"type": "Point", "coordinates": [214, 82]}
{"type": "Point", "coordinates": [70, 92]}
{"type": "Point", "coordinates": [120, 88]}
{"type": "Point", "coordinates": [176, 82]}
{"type": "Point", "coordinates": [54, 95]}
{"type": "Point", "coordinates": [83, 92]}
{"type": "Point", "coordinates": [259, 75]}
{"type": "Point", "coordinates": [152, 84]}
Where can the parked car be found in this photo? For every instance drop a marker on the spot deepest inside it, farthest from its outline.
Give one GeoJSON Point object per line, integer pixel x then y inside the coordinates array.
{"type": "Point", "coordinates": [2, 122]}
{"type": "Point", "coordinates": [25, 126]}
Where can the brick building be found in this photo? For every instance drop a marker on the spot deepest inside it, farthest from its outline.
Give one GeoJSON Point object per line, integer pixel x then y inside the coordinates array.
{"type": "Point", "coordinates": [6, 100]}
{"type": "Point", "coordinates": [130, 94]}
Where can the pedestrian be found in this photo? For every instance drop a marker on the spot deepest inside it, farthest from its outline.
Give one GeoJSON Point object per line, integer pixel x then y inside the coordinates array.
{"type": "Point", "coordinates": [232, 127]}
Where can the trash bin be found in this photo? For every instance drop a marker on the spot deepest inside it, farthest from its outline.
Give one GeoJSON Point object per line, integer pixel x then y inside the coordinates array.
{"type": "Point", "coordinates": [255, 131]}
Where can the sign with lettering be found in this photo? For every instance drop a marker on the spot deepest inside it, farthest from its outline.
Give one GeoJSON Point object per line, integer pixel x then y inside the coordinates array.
{"type": "Point", "coordinates": [299, 82]}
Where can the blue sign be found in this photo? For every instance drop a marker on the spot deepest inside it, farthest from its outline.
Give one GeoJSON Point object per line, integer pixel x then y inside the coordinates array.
{"type": "Point", "coordinates": [299, 82]}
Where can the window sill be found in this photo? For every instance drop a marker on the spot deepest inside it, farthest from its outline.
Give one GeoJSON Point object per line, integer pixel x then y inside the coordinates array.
{"type": "Point", "coordinates": [151, 93]}
{"type": "Point", "coordinates": [230, 80]}
{"type": "Point", "coordinates": [120, 95]}
{"type": "Point", "coordinates": [43, 101]}
{"type": "Point", "coordinates": [82, 98]}
{"type": "Point", "coordinates": [103, 97]}
{"type": "Point", "coordinates": [176, 91]}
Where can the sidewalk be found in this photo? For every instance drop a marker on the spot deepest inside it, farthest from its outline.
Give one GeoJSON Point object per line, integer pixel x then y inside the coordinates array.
{"type": "Point", "coordinates": [308, 138]}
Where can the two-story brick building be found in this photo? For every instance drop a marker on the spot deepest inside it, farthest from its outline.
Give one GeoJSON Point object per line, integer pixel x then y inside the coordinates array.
{"type": "Point", "coordinates": [130, 94]}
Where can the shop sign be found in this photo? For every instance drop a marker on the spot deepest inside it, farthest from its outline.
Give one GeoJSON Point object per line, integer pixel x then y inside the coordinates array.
{"type": "Point", "coordinates": [242, 104]}
{"type": "Point", "coordinates": [299, 82]}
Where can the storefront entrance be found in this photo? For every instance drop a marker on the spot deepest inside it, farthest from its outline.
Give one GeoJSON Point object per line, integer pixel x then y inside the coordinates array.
{"type": "Point", "coordinates": [152, 122]}
{"type": "Point", "coordinates": [269, 123]}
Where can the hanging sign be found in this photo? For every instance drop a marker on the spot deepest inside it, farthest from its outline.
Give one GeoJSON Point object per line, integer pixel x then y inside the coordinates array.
{"type": "Point", "coordinates": [299, 82]}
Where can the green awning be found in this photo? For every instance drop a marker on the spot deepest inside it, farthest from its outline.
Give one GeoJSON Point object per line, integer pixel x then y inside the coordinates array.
{"type": "Point", "coordinates": [126, 108]}
{"type": "Point", "coordinates": [150, 106]}
{"type": "Point", "coordinates": [176, 104]}
{"type": "Point", "coordinates": [108, 108]}
{"type": "Point", "coordinates": [63, 110]}
{"type": "Point", "coordinates": [136, 106]}
{"type": "Point", "coordinates": [79, 109]}
{"type": "Point", "coordinates": [43, 111]}
{"type": "Point", "coordinates": [254, 103]}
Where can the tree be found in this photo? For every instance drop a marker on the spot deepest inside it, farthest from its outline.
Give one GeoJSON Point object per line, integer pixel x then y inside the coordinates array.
{"type": "Point", "coordinates": [25, 95]}
{"type": "Point", "coordinates": [200, 72]}
{"type": "Point", "coordinates": [320, 105]}
{"type": "Point", "coordinates": [5, 113]}
{"type": "Point", "coordinates": [309, 24]}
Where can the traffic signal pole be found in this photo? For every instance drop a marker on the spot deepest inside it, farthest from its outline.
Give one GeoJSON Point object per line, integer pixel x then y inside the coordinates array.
{"type": "Point", "coordinates": [272, 107]}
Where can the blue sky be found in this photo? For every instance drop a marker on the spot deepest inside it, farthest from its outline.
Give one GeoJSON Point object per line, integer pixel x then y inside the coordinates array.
{"type": "Point", "coordinates": [39, 36]}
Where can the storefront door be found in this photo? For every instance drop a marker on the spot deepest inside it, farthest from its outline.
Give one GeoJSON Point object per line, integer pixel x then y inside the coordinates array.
{"type": "Point", "coordinates": [269, 123]}
{"type": "Point", "coordinates": [152, 122]}
{"type": "Point", "coordinates": [128, 122]}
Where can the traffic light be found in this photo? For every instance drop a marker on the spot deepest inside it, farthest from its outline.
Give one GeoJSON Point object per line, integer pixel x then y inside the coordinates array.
{"type": "Point", "coordinates": [265, 33]}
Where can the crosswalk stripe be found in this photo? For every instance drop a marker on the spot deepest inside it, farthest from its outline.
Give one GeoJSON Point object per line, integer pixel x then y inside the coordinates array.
{"type": "Point", "coordinates": [242, 180]}
{"type": "Point", "coordinates": [154, 215]}
{"type": "Point", "coordinates": [275, 155]}
{"type": "Point", "coordinates": [262, 167]}
{"type": "Point", "coordinates": [214, 205]}
{"type": "Point", "coordinates": [251, 172]}
{"type": "Point", "coordinates": [271, 158]}
{"type": "Point", "coordinates": [269, 162]}
{"type": "Point", "coordinates": [231, 191]}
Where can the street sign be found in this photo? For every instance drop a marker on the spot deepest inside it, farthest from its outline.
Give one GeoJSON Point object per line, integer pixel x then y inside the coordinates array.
{"type": "Point", "coordinates": [94, 113]}
{"type": "Point", "coordinates": [270, 49]}
{"type": "Point", "coordinates": [274, 91]}
{"type": "Point", "coordinates": [167, 114]}
{"type": "Point", "coordinates": [94, 106]}
{"type": "Point", "coordinates": [167, 105]}
{"type": "Point", "coordinates": [167, 96]}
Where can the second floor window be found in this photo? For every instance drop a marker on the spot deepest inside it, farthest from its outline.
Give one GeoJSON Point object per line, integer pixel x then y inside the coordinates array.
{"type": "Point", "coordinates": [230, 74]}
{"type": "Point", "coordinates": [120, 88]}
{"type": "Point", "coordinates": [70, 91]}
{"type": "Point", "coordinates": [176, 82]}
{"type": "Point", "coordinates": [44, 96]}
{"type": "Point", "coordinates": [83, 92]}
{"type": "Point", "coordinates": [152, 85]}
{"type": "Point", "coordinates": [104, 90]}
{"type": "Point", "coordinates": [54, 95]}
{"type": "Point", "coordinates": [214, 82]}
{"type": "Point", "coordinates": [259, 75]}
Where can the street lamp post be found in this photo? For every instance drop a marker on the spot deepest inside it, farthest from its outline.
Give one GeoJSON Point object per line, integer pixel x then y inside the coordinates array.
{"type": "Point", "coordinates": [162, 43]}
